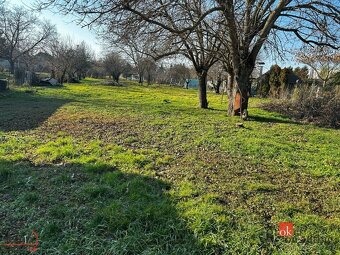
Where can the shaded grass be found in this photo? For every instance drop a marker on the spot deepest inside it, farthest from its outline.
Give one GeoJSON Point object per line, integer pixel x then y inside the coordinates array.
{"type": "Point", "coordinates": [142, 170]}
{"type": "Point", "coordinates": [24, 111]}
{"type": "Point", "coordinates": [76, 212]}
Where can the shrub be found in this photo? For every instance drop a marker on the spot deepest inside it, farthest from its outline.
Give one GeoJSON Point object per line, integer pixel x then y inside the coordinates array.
{"type": "Point", "coordinates": [263, 87]}
{"type": "Point", "coordinates": [274, 81]}
{"type": "Point", "coordinates": [311, 104]}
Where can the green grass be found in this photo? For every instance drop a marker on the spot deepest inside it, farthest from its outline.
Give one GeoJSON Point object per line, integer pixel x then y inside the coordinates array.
{"type": "Point", "coordinates": [142, 170]}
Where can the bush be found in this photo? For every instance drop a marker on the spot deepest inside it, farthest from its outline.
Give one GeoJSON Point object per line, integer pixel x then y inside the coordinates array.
{"type": "Point", "coordinates": [262, 86]}
{"type": "Point", "coordinates": [274, 81]}
{"type": "Point", "coordinates": [311, 104]}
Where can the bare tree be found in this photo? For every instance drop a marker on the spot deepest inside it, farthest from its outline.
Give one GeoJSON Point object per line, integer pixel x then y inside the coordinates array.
{"type": "Point", "coordinates": [175, 74]}
{"type": "Point", "coordinates": [69, 61]}
{"type": "Point", "coordinates": [216, 76]}
{"type": "Point", "coordinates": [62, 53]}
{"type": "Point", "coordinates": [23, 33]}
{"type": "Point", "coordinates": [201, 46]}
{"type": "Point", "coordinates": [251, 23]}
{"type": "Point", "coordinates": [150, 69]}
{"type": "Point", "coordinates": [142, 45]}
{"type": "Point", "coordinates": [96, 70]}
{"type": "Point", "coordinates": [136, 50]}
{"type": "Point", "coordinates": [81, 62]}
{"type": "Point", "coordinates": [115, 65]}
{"type": "Point", "coordinates": [323, 60]}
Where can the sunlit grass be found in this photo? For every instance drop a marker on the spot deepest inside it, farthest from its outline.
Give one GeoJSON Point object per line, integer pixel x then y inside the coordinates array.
{"type": "Point", "coordinates": [142, 170]}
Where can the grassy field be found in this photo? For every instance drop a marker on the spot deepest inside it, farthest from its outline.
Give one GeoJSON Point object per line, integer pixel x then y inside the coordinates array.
{"type": "Point", "coordinates": [141, 170]}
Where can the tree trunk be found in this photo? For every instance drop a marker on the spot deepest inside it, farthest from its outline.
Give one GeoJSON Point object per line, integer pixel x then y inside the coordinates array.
{"type": "Point", "coordinates": [202, 88]}
{"type": "Point", "coordinates": [187, 84]}
{"type": "Point", "coordinates": [69, 77]}
{"type": "Point", "coordinates": [62, 78]}
{"type": "Point", "coordinates": [116, 77]}
{"type": "Point", "coordinates": [217, 87]}
{"type": "Point", "coordinates": [12, 66]}
{"type": "Point", "coordinates": [231, 92]}
{"type": "Point", "coordinates": [141, 77]}
{"type": "Point", "coordinates": [244, 89]}
{"type": "Point", "coordinates": [239, 92]}
{"type": "Point", "coordinates": [149, 78]}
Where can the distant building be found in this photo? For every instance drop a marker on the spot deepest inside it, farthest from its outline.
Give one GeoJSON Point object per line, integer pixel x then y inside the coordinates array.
{"type": "Point", "coordinates": [191, 84]}
{"type": "Point", "coordinates": [132, 76]}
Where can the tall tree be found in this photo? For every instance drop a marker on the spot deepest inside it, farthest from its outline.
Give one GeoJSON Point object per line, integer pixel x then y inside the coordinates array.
{"type": "Point", "coordinates": [115, 65]}
{"type": "Point", "coordinates": [81, 61]}
{"type": "Point", "coordinates": [62, 53]}
{"type": "Point", "coordinates": [250, 23]}
{"type": "Point", "coordinates": [217, 76]}
{"type": "Point", "coordinates": [201, 46]}
{"type": "Point", "coordinates": [69, 61]}
{"type": "Point", "coordinates": [23, 33]}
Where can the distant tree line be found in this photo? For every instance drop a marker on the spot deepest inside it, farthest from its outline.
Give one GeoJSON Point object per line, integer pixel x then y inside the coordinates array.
{"type": "Point", "coordinates": [117, 65]}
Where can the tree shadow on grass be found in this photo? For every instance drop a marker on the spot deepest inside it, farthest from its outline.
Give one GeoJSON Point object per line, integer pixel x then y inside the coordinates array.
{"type": "Point", "coordinates": [218, 110]}
{"type": "Point", "coordinates": [86, 210]}
{"type": "Point", "coordinates": [281, 120]}
{"type": "Point", "coordinates": [24, 111]}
